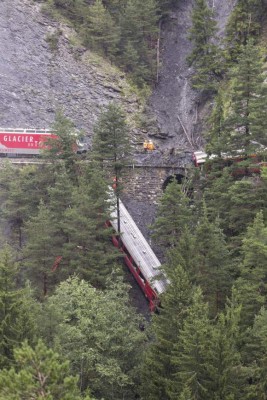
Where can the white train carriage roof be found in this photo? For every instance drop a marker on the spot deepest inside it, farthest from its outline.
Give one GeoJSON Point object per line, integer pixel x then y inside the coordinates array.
{"type": "Point", "coordinates": [41, 131]}
{"type": "Point", "coordinates": [199, 157]}
{"type": "Point", "coordinates": [139, 249]}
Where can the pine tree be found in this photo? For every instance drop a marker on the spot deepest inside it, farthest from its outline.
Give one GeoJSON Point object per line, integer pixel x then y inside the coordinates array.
{"type": "Point", "coordinates": [41, 249]}
{"type": "Point", "coordinates": [216, 121]}
{"type": "Point", "coordinates": [39, 374]}
{"type": "Point", "coordinates": [251, 285]}
{"type": "Point", "coordinates": [99, 333]}
{"type": "Point", "coordinates": [100, 30]}
{"type": "Point", "coordinates": [112, 143]}
{"type": "Point", "coordinates": [244, 23]}
{"type": "Point", "coordinates": [111, 140]}
{"type": "Point", "coordinates": [139, 30]}
{"type": "Point", "coordinates": [19, 203]}
{"type": "Point", "coordinates": [186, 394]}
{"type": "Point", "coordinates": [60, 196]}
{"type": "Point", "coordinates": [184, 253]}
{"type": "Point", "coordinates": [173, 215]}
{"type": "Point", "coordinates": [16, 309]}
{"type": "Point", "coordinates": [157, 368]}
{"type": "Point", "coordinates": [245, 127]}
{"type": "Point", "coordinates": [256, 357]}
{"type": "Point", "coordinates": [191, 354]}
{"type": "Point", "coordinates": [225, 356]}
{"type": "Point", "coordinates": [205, 56]}
{"type": "Point", "coordinates": [212, 263]}
{"type": "Point", "coordinates": [88, 250]}
{"type": "Point", "coordinates": [217, 197]}
{"type": "Point", "coordinates": [244, 203]}
{"type": "Point", "coordinates": [64, 145]}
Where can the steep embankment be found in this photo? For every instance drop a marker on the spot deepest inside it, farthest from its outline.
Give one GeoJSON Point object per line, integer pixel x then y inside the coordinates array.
{"type": "Point", "coordinates": [41, 71]}
{"type": "Point", "coordinates": [178, 108]}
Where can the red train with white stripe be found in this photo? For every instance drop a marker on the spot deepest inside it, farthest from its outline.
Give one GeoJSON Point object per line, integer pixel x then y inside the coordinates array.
{"type": "Point", "coordinates": [28, 142]}
{"type": "Point", "coordinates": [24, 142]}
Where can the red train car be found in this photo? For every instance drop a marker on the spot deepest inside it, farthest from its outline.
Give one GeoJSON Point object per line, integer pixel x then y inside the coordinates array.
{"type": "Point", "coordinates": [23, 141]}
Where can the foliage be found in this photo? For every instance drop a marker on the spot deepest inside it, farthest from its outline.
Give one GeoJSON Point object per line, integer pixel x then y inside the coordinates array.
{"type": "Point", "coordinates": [192, 352]}
{"type": "Point", "coordinates": [157, 368]}
{"type": "Point", "coordinates": [225, 354]}
{"type": "Point", "coordinates": [88, 250]}
{"type": "Point", "coordinates": [100, 30]}
{"type": "Point", "coordinates": [173, 215]}
{"type": "Point", "coordinates": [244, 23]}
{"type": "Point", "coordinates": [251, 286]}
{"type": "Point", "coordinates": [16, 309]}
{"type": "Point", "coordinates": [39, 373]}
{"type": "Point", "coordinates": [112, 144]}
{"type": "Point", "coordinates": [64, 145]}
{"type": "Point", "coordinates": [205, 55]}
{"type": "Point", "coordinates": [41, 249]}
{"type": "Point", "coordinates": [18, 203]}
{"type": "Point", "coordinates": [244, 124]}
{"type": "Point", "coordinates": [257, 358]}
{"type": "Point", "coordinates": [212, 263]}
{"type": "Point", "coordinates": [99, 332]}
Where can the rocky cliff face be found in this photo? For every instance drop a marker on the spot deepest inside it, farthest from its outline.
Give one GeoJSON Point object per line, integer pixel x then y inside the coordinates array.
{"type": "Point", "coordinates": [41, 71]}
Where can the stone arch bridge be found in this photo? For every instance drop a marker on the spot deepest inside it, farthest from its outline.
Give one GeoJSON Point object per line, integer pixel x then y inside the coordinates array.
{"type": "Point", "coordinates": [144, 183]}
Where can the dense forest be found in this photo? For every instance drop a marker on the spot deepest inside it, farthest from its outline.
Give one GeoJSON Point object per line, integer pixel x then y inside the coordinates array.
{"type": "Point", "coordinates": [67, 328]}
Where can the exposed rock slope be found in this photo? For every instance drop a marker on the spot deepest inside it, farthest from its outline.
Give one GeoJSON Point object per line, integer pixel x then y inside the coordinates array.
{"type": "Point", "coordinates": [37, 79]}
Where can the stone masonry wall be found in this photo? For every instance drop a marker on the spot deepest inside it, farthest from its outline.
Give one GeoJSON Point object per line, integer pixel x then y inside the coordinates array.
{"type": "Point", "coordinates": [145, 184]}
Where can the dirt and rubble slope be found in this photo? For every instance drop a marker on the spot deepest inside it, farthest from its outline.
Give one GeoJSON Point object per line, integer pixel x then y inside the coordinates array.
{"type": "Point", "coordinates": [178, 109]}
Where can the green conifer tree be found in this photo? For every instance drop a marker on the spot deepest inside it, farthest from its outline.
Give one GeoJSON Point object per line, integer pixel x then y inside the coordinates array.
{"type": "Point", "coordinates": [99, 333]}
{"type": "Point", "coordinates": [158, 369]}
{"type": "Point", "coordinates": [245, 127]}
{"type": "Point", "coordinates": [88, 250]}
{"type": "Point", "coordinates": [251, 285]}
{"type": "Point", "coordinates": [244, 203]}
{"type": "Point", "coordinates": [225, 355]}
{"type": "Point", "coordinates": [139, 31]}
{"type": "Point", "coordinates": [212, 263]}
{"type": "Point", "coordinates": [205, 56]}
{"type": "Point", "coordinates": [191, 354]}
{"type": "Point", "coordinates": [216, 121]}
{"type": "Point", "coordinates": [244, 23]}
{"type": "Point", "coordinates": [39, 374]}
{"type": "Point", "coordinates": [64, 146]}
{"type": "Point", "coordinates": [16, 310]}
{"type": "Point", "coordinates": [183, 253]}
{"type": "Point", "coordinates": [173, 215]}
{"type": "Point", "coordinates": [20, 203]}
{"type": "Point", "coordinates": [41, 249]}
{"type": "Point", "coordinates": [100, 30]}
{"type": "Point", "coordinates": [112, 143]}
{"type": "Point", "coordinates": [256, 357]}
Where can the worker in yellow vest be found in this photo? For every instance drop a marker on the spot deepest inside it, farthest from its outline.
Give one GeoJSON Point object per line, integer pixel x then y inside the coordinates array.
{"type": "Point", "coordinates": [145, 146]}
{"type": "Point", "coordinates": [150, 145]}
